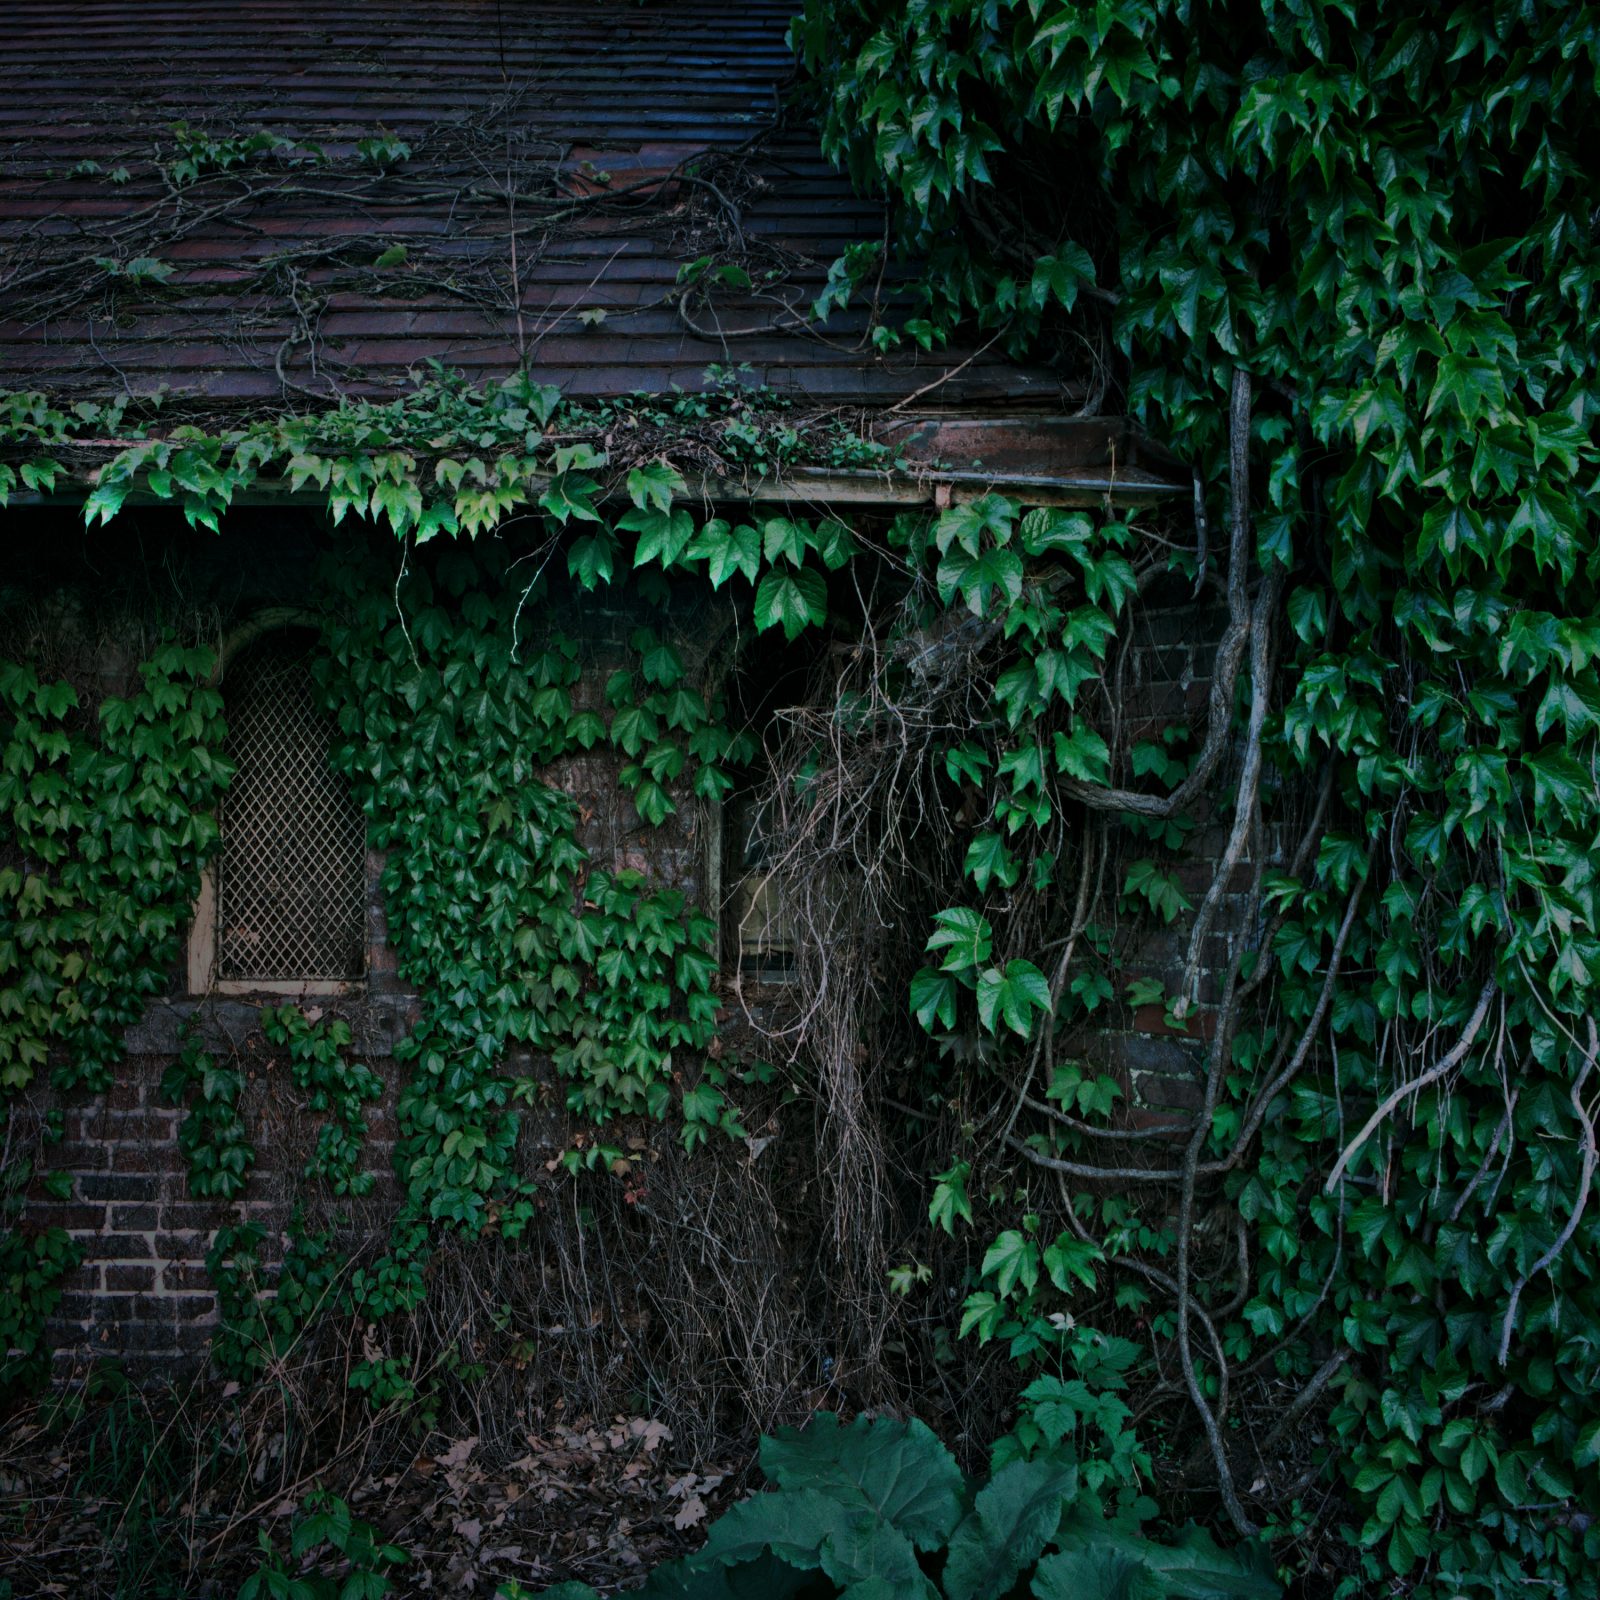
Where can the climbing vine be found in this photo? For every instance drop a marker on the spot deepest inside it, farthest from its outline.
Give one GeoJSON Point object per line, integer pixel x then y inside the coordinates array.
{"type": "Point", "coordinates": [1343, 258]}
{"type": "Point", "coordinates": [110, 820]}
{"type": "Point", "coordinates": [514, 941]}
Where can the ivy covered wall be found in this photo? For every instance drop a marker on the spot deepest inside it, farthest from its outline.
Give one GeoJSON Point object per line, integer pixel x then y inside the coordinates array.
{"type": "Point", "coordinates": [216, 1137]}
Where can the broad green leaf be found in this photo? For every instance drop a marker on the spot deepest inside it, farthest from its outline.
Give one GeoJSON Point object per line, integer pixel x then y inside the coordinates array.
{"type": "Point", "coordinates": [807, 1529]}
{"type": "Point", "coordinates": [989, 860]}
{"type": "Point", "coordinates": [1014, 997]}
{"type": "Point", "coordinates": [793, 601]}
{"type": "Point", "coordinates": [663, 535]}
{"type": "Point", "coordinates": [1190, 1567]}
{"type": "Point", "coordinates": [1010, 1260]}
{"type": "Point", "coordinates": [783, 540]}
{"type": "Point", "coordinates": [1070, 1262]}
{"type": "Point", "coordinates": [571, 494]}
{"type": "Point", "coordinates": [1094, 1573]}
{"type": "Point", "coordinates": [1083, 754]}
{"type": "Point", "coordinates": [897, 1470]}
{"type": "Point", "coordinates": [654, 486]}
{"type": "Point", "coordinates": [933, 999]}
{"type": "Point", "coordinates": [963, 935]}
{"type": "Point", "coordinates": [950, 1198]}
{"type": "Point", "coordinates": [727, 550]}
{"type": "Point", "coordinates": [591, 559]}
{"type": "Point", "coordinates": [1008, 1527]}
{"type": "Point", "coordinates": [1055, 530]}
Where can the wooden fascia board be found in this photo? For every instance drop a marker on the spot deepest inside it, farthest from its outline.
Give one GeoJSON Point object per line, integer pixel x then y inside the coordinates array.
{"type": "Point", "coordinates": [820, 487]}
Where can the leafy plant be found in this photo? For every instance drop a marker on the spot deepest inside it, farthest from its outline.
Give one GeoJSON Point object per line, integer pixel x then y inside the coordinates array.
{"type": "Point", "coordinates": [213, 1137]}
{"type": "Point", "coordinates": [1341, 259]}
{"type": "Point", "coordinates": [873, 1509]}
{"type": "Point", "coordinates": [324, 1534]}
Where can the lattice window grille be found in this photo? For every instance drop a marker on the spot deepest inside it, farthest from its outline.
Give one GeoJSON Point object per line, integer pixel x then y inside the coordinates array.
{"type": "Point", "coordinates": [291, 874]}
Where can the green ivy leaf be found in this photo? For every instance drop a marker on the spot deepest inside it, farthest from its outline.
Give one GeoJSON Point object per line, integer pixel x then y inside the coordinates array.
{"type": "Point", "coordinates": [963, 935]}
{"type": "Point", "coordinates": [793, 601]}
{"type": "Point", "coordinates": [1083, 754]}
{"type": "Point", "coordinates": [1012, 1260]}
{"type": "Point", "coordinates": [663, 535]}
{"type": "Point", "coordinates": [1014, 997]}
{"type": "Point", "coordinates": [654, 486]}
{"type": "Point", "coordinates": [933, 999]}
{"type": "Point", "coordinates": [783, 540]}
{"type": "Point", "coordinates": [989, 860]}
{"type": "Point", "coordinates": [727, 550]}
{"type": "Point", "coordinates": [592, 558]}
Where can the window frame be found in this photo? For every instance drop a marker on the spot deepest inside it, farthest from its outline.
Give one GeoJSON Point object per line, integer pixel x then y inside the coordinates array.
{"type": "Point", "coordinates": [736, 884]}
{"type": "Point", "coordinates": [201, 952]}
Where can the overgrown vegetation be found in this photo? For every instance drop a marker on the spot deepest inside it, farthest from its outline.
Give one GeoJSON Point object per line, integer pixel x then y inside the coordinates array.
{"type": "Point", "coordinates": [880, 1508]}
{"type": "Point", "coordinates": [111, 816]}
{"type": "Point", "coordinates": [1342, 259]}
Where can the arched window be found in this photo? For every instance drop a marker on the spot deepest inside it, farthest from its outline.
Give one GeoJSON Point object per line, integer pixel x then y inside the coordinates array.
{"type": "Point", "coordinates": [285, 907]}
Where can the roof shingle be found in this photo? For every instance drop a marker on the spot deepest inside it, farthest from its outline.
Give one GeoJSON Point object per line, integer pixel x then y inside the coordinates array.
{"type": "Point", "coordinates": [566, 161]}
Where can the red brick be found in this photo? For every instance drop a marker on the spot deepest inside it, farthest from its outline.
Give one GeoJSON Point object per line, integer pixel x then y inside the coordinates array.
{"type": "Point", "coordinates": [115, 1246]}
{"type": "Point", "coordinates": [118, 1276]}
{"type": "Point", "coordinates": [126, 1093]}
{"type": "Point", "coordinates": [182, 1246]}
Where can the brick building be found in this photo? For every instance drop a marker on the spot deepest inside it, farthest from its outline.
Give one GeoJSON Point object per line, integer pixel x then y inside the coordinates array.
{"type": "Point", "coordinates": [268, 208]}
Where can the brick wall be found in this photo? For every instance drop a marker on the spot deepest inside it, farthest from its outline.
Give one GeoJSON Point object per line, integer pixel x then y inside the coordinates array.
{"type": "Point", "coordinates": [142, 1293]}
{"type": "Point", "coordinates": [1166, 677]}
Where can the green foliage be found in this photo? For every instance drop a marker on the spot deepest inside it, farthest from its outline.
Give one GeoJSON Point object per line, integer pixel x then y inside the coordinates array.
{"type": "Point", "coordinates": [114, 819]}
{"type": "Point", "coordinates": [213, 1137]}
{"type": "Point", "coordinates": [513, 939]}
{"type": "Point", "coordinates": [33, 1263]}
{"type": "Point", "coordinates": [324, 1535]}
{"type": "Point", "coordinates": [317, 1065]}
{"type": "Point", "coordinates": [110, 820]}
{"type": "Point", "coordinates": [879, 1509]}
{"type": "Point", "coordinates": [449, 458]}
{"type": "Point", "coordinates": [263, 1315]}
{"type": "Point", "coordinates": [1385, 220]}
{"type": "Point", "coordinates": [197, 152]}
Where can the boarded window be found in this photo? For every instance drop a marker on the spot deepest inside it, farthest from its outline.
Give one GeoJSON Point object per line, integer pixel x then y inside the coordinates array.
{"type": "Point", "coordinates": [291, 874]}
{"type": "Point", "coordinates": [761, 923]}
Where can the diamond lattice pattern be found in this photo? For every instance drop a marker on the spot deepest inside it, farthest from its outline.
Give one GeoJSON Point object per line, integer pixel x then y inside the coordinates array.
{"type": "Point", "coordinates": [291, 878]}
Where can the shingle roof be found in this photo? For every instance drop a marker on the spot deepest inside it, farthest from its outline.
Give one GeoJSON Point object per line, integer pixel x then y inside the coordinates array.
{"type": "Point", "coordinates": [633, 138]}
